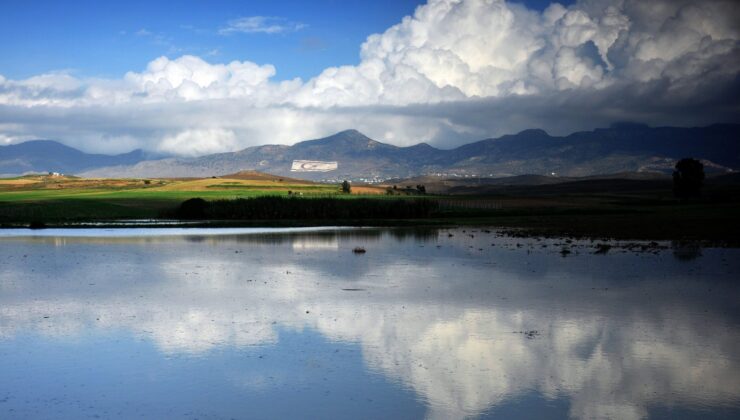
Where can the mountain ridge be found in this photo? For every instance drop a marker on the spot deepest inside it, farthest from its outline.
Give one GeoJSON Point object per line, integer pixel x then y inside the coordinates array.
{"type": "Point", "coordinates": [622, 147]}
{"type": "Point", "coordinates": [35, 156]}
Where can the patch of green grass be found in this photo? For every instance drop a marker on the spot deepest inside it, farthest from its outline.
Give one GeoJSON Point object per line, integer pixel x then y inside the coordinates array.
{"type": "Point", "coordinates": [78, 210]}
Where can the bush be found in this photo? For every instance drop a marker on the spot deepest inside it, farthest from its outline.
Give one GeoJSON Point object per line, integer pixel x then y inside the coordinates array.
{"type": "Point", "coordinates": [194, 208]}
{"type": "Point", "coordinates": [36, 224]}
{"type": "Point", "coordinates": [688, 178]}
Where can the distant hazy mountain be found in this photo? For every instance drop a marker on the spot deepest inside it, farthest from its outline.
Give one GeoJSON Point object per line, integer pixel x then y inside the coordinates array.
{"type": "Point", "coordinates": [50, 156]}
{"type": "Point", "coordinates": [620, 148]}
{"type": "Point", "coordinates": [358, 157]}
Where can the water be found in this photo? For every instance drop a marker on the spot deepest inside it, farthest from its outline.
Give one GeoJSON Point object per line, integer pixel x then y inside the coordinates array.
{"type": "Point", "coordinates": [427, 323]}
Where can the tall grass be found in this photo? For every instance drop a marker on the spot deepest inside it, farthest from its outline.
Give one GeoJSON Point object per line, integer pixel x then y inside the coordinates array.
{"type": "Point", "coordinates": [295, 208]}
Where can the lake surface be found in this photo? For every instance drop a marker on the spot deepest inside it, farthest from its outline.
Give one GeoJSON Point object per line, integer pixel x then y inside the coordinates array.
{"type": "Point", "coordinates": [449, 323]}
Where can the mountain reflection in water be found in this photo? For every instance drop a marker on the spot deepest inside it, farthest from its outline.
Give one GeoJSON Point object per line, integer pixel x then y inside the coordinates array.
{"type": "Point", "coordinates": [467, 321]}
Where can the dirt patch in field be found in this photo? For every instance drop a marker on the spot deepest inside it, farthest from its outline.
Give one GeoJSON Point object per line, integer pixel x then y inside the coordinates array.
{"type": "Point", "coordinates": [24, 181]}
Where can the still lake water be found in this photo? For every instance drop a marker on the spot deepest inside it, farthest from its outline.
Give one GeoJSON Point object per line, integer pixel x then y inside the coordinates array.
{"type": "Point", "coordinates": [286, 323]}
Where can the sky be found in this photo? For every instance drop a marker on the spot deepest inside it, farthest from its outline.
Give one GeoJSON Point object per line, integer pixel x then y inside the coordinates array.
{"type": "Point", "coordinates": [200, 77]}
{"type": "Point", "coordinates": [107, 39]}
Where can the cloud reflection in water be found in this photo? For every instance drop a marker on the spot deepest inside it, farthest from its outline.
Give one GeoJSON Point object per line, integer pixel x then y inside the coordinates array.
{"type": "Point", "coordinates": [441, 315]}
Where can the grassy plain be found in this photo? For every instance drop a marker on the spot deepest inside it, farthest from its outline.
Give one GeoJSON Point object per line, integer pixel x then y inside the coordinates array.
{"type": "Point", "coordinates": [59, 199]}
{"type": "Point", "coordinates": [604, 208]}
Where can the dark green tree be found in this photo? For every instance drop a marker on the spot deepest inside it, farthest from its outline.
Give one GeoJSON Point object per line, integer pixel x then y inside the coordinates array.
{"type": "Point", "coordinates": [346, 188]}
{"type": "Point", "coordinates": [688, 178]}
{"type": "Point", "coordinates": [194, 208]}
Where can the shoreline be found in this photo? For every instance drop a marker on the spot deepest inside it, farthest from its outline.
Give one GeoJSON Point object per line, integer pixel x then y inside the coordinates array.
{"type": "Point", "coordinates": [515, 227]}
{"type": "Point", "coordinates": [609, 214]}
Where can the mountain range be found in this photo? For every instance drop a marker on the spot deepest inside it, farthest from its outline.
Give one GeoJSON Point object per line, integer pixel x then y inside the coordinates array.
{"type": "Point", "coordinates": [51, 156]}
{"type": "Point", "coordinates": [619, 148]}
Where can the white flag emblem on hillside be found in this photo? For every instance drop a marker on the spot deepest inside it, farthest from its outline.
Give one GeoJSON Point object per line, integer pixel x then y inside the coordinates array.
{"type": "Point", "coordinates": [313, 166]}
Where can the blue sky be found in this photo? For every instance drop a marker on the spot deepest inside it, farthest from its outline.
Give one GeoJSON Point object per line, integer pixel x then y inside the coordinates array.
{"type": "Point", "coordinates": [107, 39]}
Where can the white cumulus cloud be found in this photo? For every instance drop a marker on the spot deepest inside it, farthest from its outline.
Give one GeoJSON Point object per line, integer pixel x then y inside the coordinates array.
{"type": "Point", "coordinates": [198, 142]}
{"type": "Point", "coordinates": [454, 71]}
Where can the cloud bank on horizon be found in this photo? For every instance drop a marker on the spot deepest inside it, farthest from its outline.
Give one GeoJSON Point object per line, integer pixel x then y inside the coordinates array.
{"type": "Point", "coordinates": [455, 71]}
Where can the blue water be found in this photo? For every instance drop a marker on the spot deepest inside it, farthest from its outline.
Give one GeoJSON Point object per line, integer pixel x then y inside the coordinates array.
{"type": "Point", "coordinates": [426, 324]}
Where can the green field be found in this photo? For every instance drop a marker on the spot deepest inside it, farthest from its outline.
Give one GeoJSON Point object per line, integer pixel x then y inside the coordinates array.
{"type": "Point", "coordinates": [639, 210]}
{"type": "Point", "coordinates": [60, 199]}
{"type": "Point", "coordinates": [57, 200]}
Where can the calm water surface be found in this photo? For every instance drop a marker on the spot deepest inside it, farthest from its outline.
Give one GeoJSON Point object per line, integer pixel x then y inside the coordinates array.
{"type": "Point", "coordinates": [249, 323]}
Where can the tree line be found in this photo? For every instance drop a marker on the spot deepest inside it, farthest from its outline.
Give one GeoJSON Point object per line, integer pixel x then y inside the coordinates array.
{"type": "Point", "coordinates": [295, 208]}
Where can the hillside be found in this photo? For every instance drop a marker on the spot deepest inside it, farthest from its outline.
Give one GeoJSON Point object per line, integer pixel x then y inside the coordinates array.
{"type": "Point", "coordinates": [261, 176]}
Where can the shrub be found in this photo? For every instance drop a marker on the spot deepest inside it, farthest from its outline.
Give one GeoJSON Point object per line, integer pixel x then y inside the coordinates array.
{"type": "Point", "coordinates": [194, 208]}
{"type": "Point", "coordinates": [688, 178]}
{"type": "Point", "coordinates": [36, 224]}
